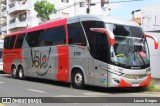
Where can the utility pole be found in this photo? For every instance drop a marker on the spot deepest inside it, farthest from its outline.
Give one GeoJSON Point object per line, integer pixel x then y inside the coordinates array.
{"type": "Point", "coordinates": [89, 6]}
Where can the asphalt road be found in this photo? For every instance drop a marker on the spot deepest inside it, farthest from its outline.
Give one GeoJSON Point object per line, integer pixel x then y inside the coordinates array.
{"type": "Point", "coordinates": [32, 87]}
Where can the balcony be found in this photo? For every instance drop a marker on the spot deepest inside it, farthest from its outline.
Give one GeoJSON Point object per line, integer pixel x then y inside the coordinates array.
{"type": "Point", "coordinates": [4, 14]}
{"type": "Point", "coordinates": [4, 26]}
{"type": "Point", "coordinates": [18, 23]}
{"type": "Point", "coordinates": [4, 8]}
{"type": "Point", "coordinates": [17, 7]}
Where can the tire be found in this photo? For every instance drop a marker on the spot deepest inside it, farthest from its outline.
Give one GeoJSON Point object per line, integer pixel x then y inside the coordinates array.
{"type": "Point", "coordinates": [77, 79]}
{"type": "Point", "coordinates": [14, 73]}
{"type": "Point", "coordinates": [21, 73]}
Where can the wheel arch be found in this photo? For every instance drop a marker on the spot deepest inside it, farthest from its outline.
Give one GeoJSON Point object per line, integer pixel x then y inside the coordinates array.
{"type": "Point", "coordinates": [74, 68]}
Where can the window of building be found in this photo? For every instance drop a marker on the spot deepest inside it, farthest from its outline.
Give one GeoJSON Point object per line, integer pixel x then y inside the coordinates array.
{"type": "Point", "coordinates": [65, 15]}
{"type": "Point", "coordinates": [53, 36]}
{"type": "Point", "coordinates": [19, 41]}
{"type": "Point", "coordinates": [65, 1]}
{"type": "Point", "coordinates": [76, 34]}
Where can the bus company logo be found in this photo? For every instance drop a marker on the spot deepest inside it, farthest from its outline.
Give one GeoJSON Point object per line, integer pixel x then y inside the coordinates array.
{"type": "Point", "coordinates": [41, 62]}
{"type": "Point", "coordinates": [6, 100]}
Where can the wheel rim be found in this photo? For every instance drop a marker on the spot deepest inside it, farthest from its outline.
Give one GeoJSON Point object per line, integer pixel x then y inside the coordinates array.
{"type": "Point", "coordinates": [20, 73]}
{"type": "Point", "coordinates": [14, 72]}
{"type": "Point", "coordinates": [78, 78]}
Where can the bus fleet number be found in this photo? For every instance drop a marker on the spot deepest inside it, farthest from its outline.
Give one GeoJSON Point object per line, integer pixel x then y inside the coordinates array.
{"type": "Point", "coordinates": [77, 53]}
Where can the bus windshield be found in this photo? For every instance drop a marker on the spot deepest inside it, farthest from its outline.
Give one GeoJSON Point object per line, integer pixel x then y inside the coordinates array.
{"type": "Point", "coordinates": [130, 47]}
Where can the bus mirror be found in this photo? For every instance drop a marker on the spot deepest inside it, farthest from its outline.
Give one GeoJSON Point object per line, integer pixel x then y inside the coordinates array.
{"type": "Point", "coordinates": [155, 40]}
{"type": "Point", "coordinates": [109, 34]}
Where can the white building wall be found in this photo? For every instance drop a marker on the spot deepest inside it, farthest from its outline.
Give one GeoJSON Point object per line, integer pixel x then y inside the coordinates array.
{"type": "Point", "coordinates": [32, 19]}
{"type": "Point", "coordinates": [151, 18]}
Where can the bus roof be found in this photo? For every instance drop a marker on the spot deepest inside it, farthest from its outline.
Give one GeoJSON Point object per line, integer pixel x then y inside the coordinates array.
{"type": "Point", "coordinates": [59, 22]}
{"type": "Point", "coordinates": [106, 19]}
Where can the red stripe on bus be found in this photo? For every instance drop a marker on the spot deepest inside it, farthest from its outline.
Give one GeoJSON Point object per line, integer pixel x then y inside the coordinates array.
{"type": "Point", "coordinates": [146, 82]}
{"type": "Point", "coordinates": [63, 63]}
{"type": "Point", "coordinates": [124, 84]}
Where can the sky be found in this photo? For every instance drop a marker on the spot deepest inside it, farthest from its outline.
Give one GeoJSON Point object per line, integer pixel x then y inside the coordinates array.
{"type": "Point", "coordinates": [123, 10]}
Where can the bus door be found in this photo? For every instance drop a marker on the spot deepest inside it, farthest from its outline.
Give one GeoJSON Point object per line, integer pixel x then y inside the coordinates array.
{"type": "Point", "coordinates": [100, 53]}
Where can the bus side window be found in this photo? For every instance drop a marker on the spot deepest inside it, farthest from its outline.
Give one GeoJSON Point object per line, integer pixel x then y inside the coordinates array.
{"type": "Point", "coordinates": [6, 42]}
{"type": "Point", "coordinates": [9, 42]}
{"type": "Point", "coordinates": [53, 36]}
{"type": "Point", "coordinates": [19, 41]}
{"type": "Point", "coordinates": [76, 34]}
{"type": "Point", "coordinates": [33, 38]}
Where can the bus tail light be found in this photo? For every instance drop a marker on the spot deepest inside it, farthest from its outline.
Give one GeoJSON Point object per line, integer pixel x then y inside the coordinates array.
{"type": "Point", "coordinates": [109, 34]}
{"type": "Point", "coordinates": [155, 40]}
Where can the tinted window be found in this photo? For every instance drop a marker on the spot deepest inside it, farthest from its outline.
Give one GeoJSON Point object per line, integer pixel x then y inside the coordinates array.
{"type": "Point", "coordinates": [76, 34]}
{"type": "Point", "coordinates": [6, 42]}
{"type": "Point", "coordinates": [12, 42]}
{"type": "Point", "coordinates": [19, 41]}
{"type": "Point", "coordinates": [9, 42]}
{"type": "Point", "coordinates": [53, 36]}
{"type": "Point", "coordinates": [33, 38]}
{"type": "Point", "coordinates": [98, 42]}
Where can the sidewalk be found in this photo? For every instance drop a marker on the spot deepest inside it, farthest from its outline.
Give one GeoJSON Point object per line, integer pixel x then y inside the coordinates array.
{"type": "Point", "coordinates": [156, 81]}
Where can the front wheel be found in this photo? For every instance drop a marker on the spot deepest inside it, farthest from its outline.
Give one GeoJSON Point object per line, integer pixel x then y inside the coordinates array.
{"type": "Point", "coordinates": [21, 73]}
{"type": "Point", "coordinates": [78, 79]}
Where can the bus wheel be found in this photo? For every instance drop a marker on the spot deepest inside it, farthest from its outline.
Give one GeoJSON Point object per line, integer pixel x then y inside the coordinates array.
{"type": "Point", "coordinates": [21, 73]}
{"type": "Point", "coordinates": [77, 79]}
{"type": "Point", "coordinates": [14, 72]}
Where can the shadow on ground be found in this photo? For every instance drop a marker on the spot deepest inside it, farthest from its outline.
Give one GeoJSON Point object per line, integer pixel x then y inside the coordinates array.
{"type": "Point", "coordinates": [89, 88]}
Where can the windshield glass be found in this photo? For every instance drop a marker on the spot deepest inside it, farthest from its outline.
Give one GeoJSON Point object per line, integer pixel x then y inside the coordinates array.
{"type": "Point", "coordinates": [130, 47]}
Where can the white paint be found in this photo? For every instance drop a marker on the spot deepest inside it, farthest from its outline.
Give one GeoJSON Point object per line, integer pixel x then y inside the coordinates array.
{"type": "Point", "coordinates": [1, 82]}
{"type": "Point", "coordinates": [34, 90]}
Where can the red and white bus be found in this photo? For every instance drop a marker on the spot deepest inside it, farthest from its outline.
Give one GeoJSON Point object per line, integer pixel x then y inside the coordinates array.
{"type": "Point", "coordinates": [86, 49]}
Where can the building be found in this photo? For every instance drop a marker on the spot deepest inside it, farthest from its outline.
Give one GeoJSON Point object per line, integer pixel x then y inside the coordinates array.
{"type": "Point", "coordinates": [136, 16]}
{"type": "Point", "coordinates": [20, 14]}
{"type": "Point", "coordinates": [2, 17]}
{"type": "Point", "coordinates": [150, 22]}
{"type": "Point", "coordinates": [151, 18]}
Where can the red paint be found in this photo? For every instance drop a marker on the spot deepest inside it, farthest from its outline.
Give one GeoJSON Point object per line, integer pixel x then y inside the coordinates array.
{"type": "Point", "coordinates": [109, 35]}
{"type": "Point", "coordinates": [155, 40]}
{"type": "Point", "coordinates": [9, 56]}
{"type": "Point", "coordinates": [146, 82]}
{"type": "Point", "coordinates": [63, 63]}
{"type": "Point", "coordinates": [56, 23]}
{"type": "Point", "coordinates": [124, 84]}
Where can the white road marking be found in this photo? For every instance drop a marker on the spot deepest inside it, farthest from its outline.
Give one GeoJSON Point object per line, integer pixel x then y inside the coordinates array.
{"type": "Point", "coordinates": [1, 82]}
{"type": "Point", "coordinates": [34, 90]}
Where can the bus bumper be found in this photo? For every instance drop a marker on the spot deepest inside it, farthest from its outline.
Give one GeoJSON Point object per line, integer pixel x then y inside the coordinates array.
{"type": "Point", "coordinates": [119, 81]}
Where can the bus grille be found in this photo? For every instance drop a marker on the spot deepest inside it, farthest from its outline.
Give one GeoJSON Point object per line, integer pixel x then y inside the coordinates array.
{"type": "Point", "coordinates": [130, 76]}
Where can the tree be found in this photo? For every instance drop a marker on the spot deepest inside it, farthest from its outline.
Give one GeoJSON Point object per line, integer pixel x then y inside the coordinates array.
{"type": "Point", "coordinates": [44, 9]}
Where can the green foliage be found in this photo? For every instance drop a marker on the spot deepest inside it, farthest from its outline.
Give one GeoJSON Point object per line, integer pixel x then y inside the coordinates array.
{"type": "Point", "coordinates": [44, 9]}
{"type": "Point", "coordinates": [151, 87]}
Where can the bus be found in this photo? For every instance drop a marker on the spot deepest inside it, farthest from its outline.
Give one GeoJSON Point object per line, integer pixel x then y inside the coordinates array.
{"type": "Point", "coordinates": [81, 50]}
{"type": "Point", "coordinates": [1, 62]}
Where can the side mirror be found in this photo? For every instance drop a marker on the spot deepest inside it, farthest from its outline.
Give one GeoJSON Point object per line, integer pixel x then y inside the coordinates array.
{"type": "Point", "coordinates": [155, 40]}
{"type": "Point", "coordinates": [108, 33]}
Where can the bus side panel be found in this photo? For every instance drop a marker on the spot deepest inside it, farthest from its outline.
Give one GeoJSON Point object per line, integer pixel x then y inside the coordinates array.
{"type": "Point", "coordinates": [8, 58]}
{"type": "Point", "coordinates": [63, 64]}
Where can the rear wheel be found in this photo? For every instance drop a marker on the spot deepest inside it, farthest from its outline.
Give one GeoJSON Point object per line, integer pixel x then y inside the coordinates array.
{"type": "Point", "coordinates": [21, 73]}
{"type": "Point", "coordinates": [14, 72]}
{"type": "Point", "coordinates": [78, 79]}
